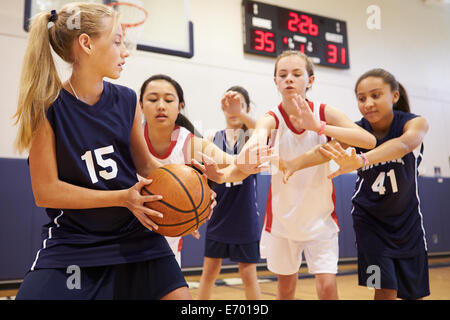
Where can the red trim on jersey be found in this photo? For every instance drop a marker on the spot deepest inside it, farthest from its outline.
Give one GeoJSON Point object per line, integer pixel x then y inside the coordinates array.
{"type": "Point", "coordinates": [269, 215]}
{"type": "Point", "coordinates": [271, 139]}
{"type": "Point", "coordinates": [333, 214]}
{"type": "Point", "coordinates": [277, 122]}
{"type": "Point", "coordinates": [172, 145]}
{"type": "Point", "coordinates": [186, 143]}
{"type": "Point", "coordinates": [288, 121]}
{"type": "Point", "coordinates": [323, 117]}
{"type": "Point", "coordinates": [180, 244]}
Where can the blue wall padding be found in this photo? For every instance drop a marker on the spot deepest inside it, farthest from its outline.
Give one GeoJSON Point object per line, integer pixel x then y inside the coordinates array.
{"type": "Point", "coordinates": [21, 220]}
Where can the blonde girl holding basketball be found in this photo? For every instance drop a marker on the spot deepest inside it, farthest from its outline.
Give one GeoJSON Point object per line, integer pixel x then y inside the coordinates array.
{"type": "Point", "coordinates": [300, 214]}
{"type": "Point", "coordinates": [86, 148]}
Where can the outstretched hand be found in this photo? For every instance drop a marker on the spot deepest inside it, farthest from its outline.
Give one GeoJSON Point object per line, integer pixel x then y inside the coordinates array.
{"type": "Point", "coordinates": [251, 158]}
{"type": "Point", "coordinates": [304, 119]}
{"type": "Point", "coordinates": [347, 162]}
{"type": "Point", "coordinates": [209, 168]}
{"type": "Point", "coordinates": [231, 103]}
{"type": "Point", "coordinates": [288, 169]}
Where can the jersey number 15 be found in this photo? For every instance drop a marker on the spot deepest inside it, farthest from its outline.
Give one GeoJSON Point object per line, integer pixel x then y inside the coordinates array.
{"type": "Point", "coordinates": [104, 163]}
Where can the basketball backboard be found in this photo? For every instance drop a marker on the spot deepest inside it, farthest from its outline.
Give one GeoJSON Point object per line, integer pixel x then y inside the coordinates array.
{"type": "Point", "coordinates": [167, 29]}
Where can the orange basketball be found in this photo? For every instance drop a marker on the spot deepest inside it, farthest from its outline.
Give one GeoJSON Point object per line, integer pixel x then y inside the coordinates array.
{"type": "Point", "coordinates": [186, 199]}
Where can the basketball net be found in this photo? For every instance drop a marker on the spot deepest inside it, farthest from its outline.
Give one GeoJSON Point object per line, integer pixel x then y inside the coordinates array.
{"type": "Point", "coordinates": [132, 18]}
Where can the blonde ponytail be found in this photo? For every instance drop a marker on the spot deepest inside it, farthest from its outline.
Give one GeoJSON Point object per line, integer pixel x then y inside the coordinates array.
{"type": "Point", "coordinates": [39, 83]}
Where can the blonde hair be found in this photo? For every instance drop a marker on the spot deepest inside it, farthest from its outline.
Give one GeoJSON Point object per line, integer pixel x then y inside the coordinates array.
{"type": "Point", "coordinates": [39, 83]}
{"type": "Point", "coordinates": [287, 53]}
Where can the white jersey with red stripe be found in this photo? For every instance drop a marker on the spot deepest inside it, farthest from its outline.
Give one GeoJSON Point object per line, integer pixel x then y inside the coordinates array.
{"type": "Point", "coordinates": [176, 154]}
{"type": "Point", "coordinates": [303, 208]}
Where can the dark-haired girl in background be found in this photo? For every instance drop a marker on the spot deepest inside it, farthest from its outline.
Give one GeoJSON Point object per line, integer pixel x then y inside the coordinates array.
{"type": "Point", "coordinates": [170, 137]}
{"type": "Point", "coordinates": [234, 230]}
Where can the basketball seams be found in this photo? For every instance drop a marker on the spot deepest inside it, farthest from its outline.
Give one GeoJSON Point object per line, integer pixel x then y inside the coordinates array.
{"type": "Point", "coordinates": [188, 229]}
{"type": "Point", "coordinates": [187, 191]}
{"type": "Point", "coordinates": [186, 221]}
{"type": "Point", "coordinates": [169, 205]}
{"type": "Point", "coordinates": [173, 227]}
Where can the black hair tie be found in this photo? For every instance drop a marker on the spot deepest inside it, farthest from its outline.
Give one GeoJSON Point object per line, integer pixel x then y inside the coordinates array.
{"type": "Point", "coordinates": [53, 16]}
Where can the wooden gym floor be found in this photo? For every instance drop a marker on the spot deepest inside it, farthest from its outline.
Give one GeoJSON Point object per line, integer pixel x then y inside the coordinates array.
{"type": "Point", "coordinates": [229, 286]}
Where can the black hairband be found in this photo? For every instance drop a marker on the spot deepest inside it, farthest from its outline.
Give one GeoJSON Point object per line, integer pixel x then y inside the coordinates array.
{"type": "Point", "coordinates": [53, 16]}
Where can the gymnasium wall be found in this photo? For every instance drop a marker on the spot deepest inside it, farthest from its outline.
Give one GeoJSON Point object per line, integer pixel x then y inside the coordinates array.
{"type": "Point", "coordinates": [413, 43]}
{"type": "Point", "coordinates": [21, 221]}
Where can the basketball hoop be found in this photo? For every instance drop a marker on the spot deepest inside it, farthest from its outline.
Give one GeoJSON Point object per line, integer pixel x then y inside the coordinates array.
{"type": "Point", "coordinates": [132, 18]}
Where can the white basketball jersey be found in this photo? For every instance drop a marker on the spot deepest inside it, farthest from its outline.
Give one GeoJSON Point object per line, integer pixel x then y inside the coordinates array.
{"type": "Point", "coordinates": [303, 208]}
{"type": "Point", "coordinates": [176, 154]}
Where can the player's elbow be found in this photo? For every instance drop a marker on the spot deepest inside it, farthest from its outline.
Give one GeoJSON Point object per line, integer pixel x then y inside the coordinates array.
{"type": "Point", "coordinates": [42, 195]}
{"type": "Point", "coordinates": [40, 199]}
{"type": "Point", "coordinates": [372, 143]}
{"type": "Point", "coordinates": [369, 141]}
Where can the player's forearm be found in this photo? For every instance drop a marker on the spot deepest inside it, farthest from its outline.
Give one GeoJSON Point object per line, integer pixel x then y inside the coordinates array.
{"type": "Point", "coordinates": [248, 120]}
{"type": "Point", "coordinates": [390, 150]}
{"type": "Point", "coordinates": [232, 174]}
{"type": "Point", "coordinates": [308, 159]}
{"type": "Point", "coordinates": [352, 136]}
{"type": "Point", "coordinates": [62, 195]}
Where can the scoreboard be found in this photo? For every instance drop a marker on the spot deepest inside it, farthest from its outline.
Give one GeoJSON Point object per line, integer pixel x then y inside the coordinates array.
{"type": "Point", "coordinates": [270, 30]}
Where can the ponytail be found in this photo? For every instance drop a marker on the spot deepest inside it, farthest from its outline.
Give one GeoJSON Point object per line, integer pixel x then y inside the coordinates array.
{"type": "Point", "coordinates": [182, 121]}
{"type": "Point", "coordinates": [39, 82]}
{"type": "Point", "coordinates": [403, 101]}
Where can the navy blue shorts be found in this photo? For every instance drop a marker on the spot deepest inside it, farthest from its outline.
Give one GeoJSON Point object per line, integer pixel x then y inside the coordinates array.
{"type": "Point", "coordinates": [147, 280]}
{"type": "Point", "coordinates": [248, 253]}
{"type": "Point", "coordinates": [409, 276]}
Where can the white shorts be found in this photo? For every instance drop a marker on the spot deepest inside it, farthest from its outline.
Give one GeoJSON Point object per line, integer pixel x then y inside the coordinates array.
{"type": "Point", "coordinates": [284, 256]}
{"type": "Point", "coordinates": [175, 244]}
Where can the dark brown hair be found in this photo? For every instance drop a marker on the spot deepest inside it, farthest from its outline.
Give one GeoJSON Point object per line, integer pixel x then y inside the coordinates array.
{"type": "Point", "coordinates": [403, 102]}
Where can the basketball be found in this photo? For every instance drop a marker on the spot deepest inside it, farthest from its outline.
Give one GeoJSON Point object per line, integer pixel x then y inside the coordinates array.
{"type": "Point", "coordinates": [186, 199]}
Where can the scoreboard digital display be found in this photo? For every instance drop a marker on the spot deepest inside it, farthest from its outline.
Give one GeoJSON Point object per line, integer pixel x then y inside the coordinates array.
{"type": "Point", "coordinates": [270, 30]}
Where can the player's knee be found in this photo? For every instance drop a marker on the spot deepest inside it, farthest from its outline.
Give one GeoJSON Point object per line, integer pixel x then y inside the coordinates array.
{"type": "Point", "coordinates": [326, 287]}
{"type": "Point", "coordinates": [286, 291]}
{"type": "Point", "coordinates": [287, 286]}
{"type": "Point", "coordinates": [385, 294]}
{"type": "Point", "coordinates": [247, 271]}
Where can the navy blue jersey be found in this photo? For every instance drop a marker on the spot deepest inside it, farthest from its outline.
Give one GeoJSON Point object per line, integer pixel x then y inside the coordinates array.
{"type": "Point", "coordinates": [386, 208]}
{"type": "Point", "coordinates": [92, 151]}
{"type": "Point", "coordinates": [235, 217]}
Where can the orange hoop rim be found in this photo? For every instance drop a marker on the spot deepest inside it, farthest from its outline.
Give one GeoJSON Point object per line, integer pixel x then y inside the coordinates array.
{"type": "Point", "coordinates": [130, 25]}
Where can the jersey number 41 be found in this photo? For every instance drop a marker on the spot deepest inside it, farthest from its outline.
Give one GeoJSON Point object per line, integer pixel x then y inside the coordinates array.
{"type": "Point", "coordinates": [378, 185]}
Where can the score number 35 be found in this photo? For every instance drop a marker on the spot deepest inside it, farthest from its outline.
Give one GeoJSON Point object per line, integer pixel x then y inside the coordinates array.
{"type": "Point", "coordinates": [264, 41]}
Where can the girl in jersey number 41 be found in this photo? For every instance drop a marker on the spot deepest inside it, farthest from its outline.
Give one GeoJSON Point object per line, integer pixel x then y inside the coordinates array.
{"type": "Point", "coordinates": [386, 207]}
